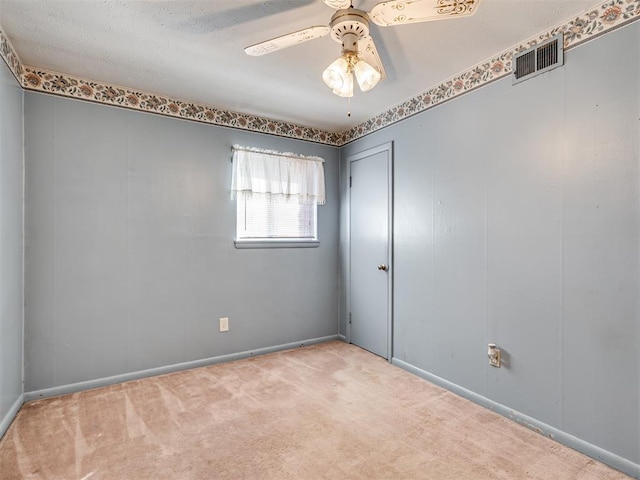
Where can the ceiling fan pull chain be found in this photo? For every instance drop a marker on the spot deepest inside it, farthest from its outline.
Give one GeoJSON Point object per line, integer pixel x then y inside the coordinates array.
{"type": "Point", "coordinates": [349, 107]}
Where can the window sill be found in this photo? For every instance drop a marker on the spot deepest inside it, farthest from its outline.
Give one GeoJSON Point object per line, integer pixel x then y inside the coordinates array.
{"type": "Point", "coordinates": [276, 243]}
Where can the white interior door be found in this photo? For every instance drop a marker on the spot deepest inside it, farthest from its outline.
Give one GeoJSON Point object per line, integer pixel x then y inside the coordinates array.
{"type": "Point", "coordinates": [370, 276]}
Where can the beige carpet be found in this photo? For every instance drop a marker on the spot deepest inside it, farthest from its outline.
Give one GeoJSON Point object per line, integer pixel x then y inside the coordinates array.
{"type": "Point", "coordinates": [326, 411]}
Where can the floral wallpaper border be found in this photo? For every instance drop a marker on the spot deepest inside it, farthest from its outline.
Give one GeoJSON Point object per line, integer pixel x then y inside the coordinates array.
{"type": "Point", "coordinates": [68, 86]}
{"type": "Point", "coordinates": [10, 56]}
{"type": "Point", "coordinates": [596, 21]}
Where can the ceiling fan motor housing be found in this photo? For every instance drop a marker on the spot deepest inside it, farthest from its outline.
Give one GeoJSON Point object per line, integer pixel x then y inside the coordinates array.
{"type": "Point", "coordinates": [348, 26]}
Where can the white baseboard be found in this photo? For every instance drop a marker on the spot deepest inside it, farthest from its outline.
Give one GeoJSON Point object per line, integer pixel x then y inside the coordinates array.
{"type": "Point", "coordinates": [11, 414]}
{"type": "Point", "coordinates": [611, 459]}
{"type": "Point", "coordinates": [125, 377]}
{"type": "Point", "coordinates": [342, 338]}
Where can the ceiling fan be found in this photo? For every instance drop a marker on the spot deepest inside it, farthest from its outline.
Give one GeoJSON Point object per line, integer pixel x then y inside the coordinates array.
{"type": "Point", "coordinates": [350, 27]}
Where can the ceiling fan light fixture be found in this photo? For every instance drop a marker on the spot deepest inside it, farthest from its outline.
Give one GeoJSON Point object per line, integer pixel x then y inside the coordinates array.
{"type": "Point", "coordinates": [350, 27]}
{"type": "Point", "coordinates": [335, 75]}
{"type": "Point", "coordinates": [367, 76]}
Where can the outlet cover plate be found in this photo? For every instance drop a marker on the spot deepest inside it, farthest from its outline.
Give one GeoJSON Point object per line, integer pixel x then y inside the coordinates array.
{"type": "Point", "coordinates": [495, 361]}
{"type": "Point", "coordinates": [224, 324]}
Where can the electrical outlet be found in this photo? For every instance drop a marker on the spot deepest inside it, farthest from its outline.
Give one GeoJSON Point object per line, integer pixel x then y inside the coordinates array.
{"type": "Point", "coordinates": [224, 324]}
{"type": "Point", "coordinates": [494, 355]}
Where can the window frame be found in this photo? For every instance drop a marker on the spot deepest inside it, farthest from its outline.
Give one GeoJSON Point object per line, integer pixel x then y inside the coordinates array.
{"type": "Point", "coordinates": [266, 172]}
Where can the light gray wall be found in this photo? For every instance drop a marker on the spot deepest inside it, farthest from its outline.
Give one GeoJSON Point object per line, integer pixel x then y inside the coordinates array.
{"type": "Point", "coordinates": [130, 258]}
{"type": "Point", "coordinates": [11, 241]}
{"type": "Point", "coordinates": [517, 222]}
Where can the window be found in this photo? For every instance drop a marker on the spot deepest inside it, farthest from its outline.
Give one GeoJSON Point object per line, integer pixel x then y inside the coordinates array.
{"type": "Point", "coordinates": [277, 196]}
{"type": "Point", "coordinates": [270, 216]}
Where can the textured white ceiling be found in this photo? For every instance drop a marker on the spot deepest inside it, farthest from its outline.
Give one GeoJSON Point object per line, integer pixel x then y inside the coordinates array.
{"type": "Point", "coordinates": [193, 50]}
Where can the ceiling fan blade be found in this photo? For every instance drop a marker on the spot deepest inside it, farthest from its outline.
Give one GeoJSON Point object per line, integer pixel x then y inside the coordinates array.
{"type": "Point", "coordinates": [399, 12]}
{"type": "Point", "coordinates": [368, 53]}
{"type": "Point", "coordinates": [288, 40]}
{"type": "Point", "coordinates": [338, 4]}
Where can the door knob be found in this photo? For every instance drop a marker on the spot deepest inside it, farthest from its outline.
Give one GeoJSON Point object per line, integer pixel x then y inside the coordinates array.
{"type": "Point", "coordinates": [383, 267]}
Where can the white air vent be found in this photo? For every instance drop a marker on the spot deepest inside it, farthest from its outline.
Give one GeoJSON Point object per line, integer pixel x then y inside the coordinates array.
{"type": "Point", "coordinates": [538, 59]}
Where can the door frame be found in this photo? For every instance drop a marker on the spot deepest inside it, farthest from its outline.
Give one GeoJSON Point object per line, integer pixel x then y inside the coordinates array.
{"type": "Point", "coordinates": [385, 147]}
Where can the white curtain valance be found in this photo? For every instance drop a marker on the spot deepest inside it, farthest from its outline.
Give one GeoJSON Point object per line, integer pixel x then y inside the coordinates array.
{"type": "Point", "coordinates": [274, 173]}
